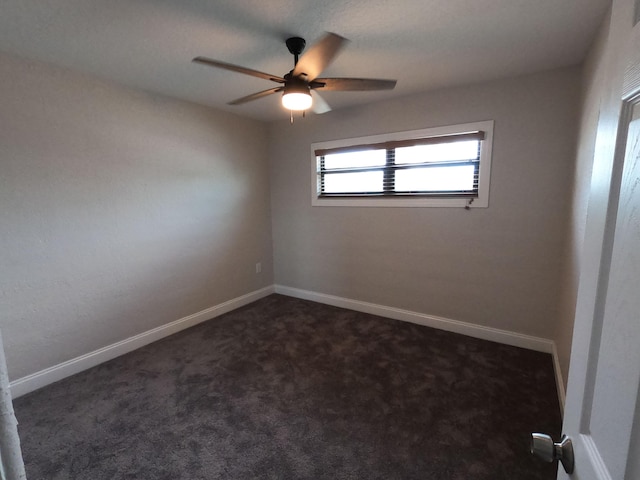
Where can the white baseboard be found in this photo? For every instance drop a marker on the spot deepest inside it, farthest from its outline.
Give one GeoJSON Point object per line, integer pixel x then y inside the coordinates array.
{"type": "Point", "coordinates": [477, 331]}
{"type": "Point", "coordinates": [455, 326]}
{"type": "Point", "coordinates": [562, 392]}
{"type": "Point", "coordinates": [53, 374]}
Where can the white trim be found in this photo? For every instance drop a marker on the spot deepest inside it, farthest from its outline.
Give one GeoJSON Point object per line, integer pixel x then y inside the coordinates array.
{"type": "Point", "coordinates": [477, 331]}
{"type": "Point", "coordinates": [485, 169]}
{"type": "Point", "coordinates": [456, 326]}
{"type": "Point", "coordinates": [53, 374]}
{"type": "Point", "coordinates": [562, 392]}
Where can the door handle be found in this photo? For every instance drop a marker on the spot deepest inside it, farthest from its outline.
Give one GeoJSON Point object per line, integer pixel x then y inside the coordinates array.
{"type": "Point", "coordinates": [543, 447]}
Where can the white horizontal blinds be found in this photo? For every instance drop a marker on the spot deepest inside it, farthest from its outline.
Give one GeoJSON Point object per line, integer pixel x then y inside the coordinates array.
{"type": "Point", "coordinates": [446, 165]}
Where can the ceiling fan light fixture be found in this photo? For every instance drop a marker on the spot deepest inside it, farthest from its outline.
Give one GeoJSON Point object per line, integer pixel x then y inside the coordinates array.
{"type": "Point", "coordinates": [297, 97]}
{"type": "Point", "coordinates": [296, 101]}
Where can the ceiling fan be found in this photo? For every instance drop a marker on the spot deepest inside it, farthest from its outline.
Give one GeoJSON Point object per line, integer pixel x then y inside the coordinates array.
{"type": "Point", "coordinates": [300, 86]}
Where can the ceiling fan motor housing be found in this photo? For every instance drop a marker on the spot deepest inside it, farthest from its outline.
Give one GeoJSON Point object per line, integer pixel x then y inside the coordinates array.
{"type": "Point", "coordinates": [296, 85]}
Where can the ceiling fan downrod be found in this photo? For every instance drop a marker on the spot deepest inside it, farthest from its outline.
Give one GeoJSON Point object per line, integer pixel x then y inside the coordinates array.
{"type": "Point", "coordinates": [296, 46]}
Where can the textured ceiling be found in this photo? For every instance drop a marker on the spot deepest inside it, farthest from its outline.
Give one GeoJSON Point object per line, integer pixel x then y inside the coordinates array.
{"type": "Point", "coordinates": [424, 44]}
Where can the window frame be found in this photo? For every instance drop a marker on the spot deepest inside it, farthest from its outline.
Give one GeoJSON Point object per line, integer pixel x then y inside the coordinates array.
{"type": "Point", "coordinates": [409, 200]}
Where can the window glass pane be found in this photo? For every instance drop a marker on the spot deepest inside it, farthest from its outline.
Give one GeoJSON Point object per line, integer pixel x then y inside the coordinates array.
{"type": "Point", "coordinates": [364, 158]}
{"type": "Point", "coordinates": [353, 182]}
{"type": "Point", "coordinates": [435, 179]}
{"type": "Point", "coordinates": [440, 152]}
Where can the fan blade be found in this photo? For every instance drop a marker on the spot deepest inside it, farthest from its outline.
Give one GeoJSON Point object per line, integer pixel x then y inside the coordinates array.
{"type": "Point", "coordinates": [316, 59]}
{"type": "Point", "coordinates": [353, 84]}
{"type": "Point", "coordinates": [236, 68]}
{"type": "Point", "coordinates": [319, 103]}
{"type": "Point", "coordinates": [255, 96]}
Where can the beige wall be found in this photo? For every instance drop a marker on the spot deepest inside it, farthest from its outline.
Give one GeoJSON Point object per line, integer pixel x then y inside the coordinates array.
{"type": "Point", "coordinates": [497, 267]}
{"type": "Point", "coordinates": [592, 91]}
{"type": "Point", "coordinates": [123, 211]}
{"type": "Point", "coordinates": [120, 212]}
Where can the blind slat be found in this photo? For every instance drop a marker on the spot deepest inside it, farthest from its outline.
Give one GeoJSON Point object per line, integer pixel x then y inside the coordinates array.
{"type": "Point", "coordinates": [452, 163]}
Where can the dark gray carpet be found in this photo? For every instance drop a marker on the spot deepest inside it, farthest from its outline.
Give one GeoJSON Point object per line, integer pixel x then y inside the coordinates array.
{"type": "Point", "coordinates": [291, 389]}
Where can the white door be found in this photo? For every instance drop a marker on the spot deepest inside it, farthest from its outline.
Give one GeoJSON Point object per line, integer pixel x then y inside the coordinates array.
{"type": "Point", "coordinates": [602, 413]}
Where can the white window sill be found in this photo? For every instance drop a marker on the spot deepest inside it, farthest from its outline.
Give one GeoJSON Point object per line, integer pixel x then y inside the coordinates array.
{"type": "Point", "coordinates": [398, 202]}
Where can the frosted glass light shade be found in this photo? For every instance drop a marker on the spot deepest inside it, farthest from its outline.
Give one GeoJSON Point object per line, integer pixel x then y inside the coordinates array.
{"type": "Point", "coordinates": [296, 101]}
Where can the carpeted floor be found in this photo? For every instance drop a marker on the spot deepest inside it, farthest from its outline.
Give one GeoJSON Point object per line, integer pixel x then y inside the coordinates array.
{"type": "Point", "coordinates": [290, 389]}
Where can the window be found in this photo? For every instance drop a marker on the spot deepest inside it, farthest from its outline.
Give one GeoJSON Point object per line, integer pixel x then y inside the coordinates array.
{"type": "Point", "coordinates": [444, 166]}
